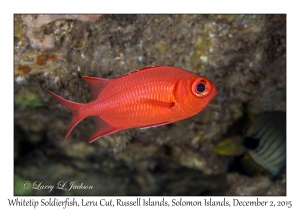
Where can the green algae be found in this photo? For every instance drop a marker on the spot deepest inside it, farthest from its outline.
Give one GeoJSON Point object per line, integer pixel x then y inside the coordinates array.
{"type": "Point", "coordinates": [31, 100]}
{"type": "Point", "coordinates": [202, 45]}
{"type": "Point", "coordinates": [18, 32]}
{"type": "Point", "coordinates": [161, 48]}
{"type": "Point", "coordinates": [237, 113]}
{"type": "Point", "coordinates": [21, 187]}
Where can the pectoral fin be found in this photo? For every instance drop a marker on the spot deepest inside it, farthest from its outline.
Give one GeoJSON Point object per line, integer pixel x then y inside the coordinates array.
{"type": "Point", "coordinates": [167, 105]}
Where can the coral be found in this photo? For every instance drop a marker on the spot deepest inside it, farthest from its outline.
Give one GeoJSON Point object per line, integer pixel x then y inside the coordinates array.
{"type": "Point", "coordinates": [46, 19]}
{"type": "Point", "coordinates": [48, 41]}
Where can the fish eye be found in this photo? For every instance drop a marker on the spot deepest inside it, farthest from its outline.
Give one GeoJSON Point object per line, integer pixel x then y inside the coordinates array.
{"type": "Point", "coordinates": [201, 87]}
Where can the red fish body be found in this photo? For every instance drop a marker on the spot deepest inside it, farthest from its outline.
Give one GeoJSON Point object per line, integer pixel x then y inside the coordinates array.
{"type": "Point", "coordinates": [152, 96]}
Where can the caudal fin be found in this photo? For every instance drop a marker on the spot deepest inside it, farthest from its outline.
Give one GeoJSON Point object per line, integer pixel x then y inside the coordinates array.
{"type": "Point", "coordinates": [77, 116]}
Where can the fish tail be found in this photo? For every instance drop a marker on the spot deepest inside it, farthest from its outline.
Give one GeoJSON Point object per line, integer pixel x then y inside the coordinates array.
{"type": "Point", "coordinates": [75, 109]}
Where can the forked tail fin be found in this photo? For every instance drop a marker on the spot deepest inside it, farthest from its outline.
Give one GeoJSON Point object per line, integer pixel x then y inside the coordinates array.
{"type": "Point", "coordinates": [78, 110]}
{"type": "Point", "coordinates": [75, 108]}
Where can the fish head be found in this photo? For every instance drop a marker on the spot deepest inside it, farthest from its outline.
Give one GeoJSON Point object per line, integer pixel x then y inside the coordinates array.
{"type": "Point", "coordinates": [194, 93]}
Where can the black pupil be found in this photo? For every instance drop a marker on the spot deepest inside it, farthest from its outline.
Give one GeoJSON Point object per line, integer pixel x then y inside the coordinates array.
{"type": "Point", "coordinates": [200, 87]}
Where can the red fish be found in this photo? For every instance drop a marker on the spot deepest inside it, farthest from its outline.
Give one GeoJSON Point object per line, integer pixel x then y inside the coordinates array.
{"type": "Point", "coordinates": [152, 96]}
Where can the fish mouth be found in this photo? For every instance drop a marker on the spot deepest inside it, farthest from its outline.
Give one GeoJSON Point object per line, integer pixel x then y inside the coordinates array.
{"type": "Point", "coordinates": [212, 94]}
{"type": "Point", "coordinates": [214, 91]}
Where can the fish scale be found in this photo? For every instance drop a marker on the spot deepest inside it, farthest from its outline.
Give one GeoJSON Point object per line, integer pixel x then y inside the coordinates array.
{"type": "Point", "coordinates": [122, 106]}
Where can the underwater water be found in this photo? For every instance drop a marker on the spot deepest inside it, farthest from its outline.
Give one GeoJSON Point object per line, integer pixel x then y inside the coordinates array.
{"type": "Point", "coordinates": [243, 55]}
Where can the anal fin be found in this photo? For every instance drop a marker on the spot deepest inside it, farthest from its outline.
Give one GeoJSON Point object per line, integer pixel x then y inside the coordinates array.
{"type": "Point", "coordinates": [102, 129]}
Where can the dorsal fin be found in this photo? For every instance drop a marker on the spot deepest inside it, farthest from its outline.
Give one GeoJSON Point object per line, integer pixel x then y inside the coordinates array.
{"type": "Point", "coordinates": [97, 84]}
{"type": "Point", "coordinates": [139, 70]}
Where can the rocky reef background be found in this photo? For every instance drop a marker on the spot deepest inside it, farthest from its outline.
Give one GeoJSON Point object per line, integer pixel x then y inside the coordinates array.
{"type": "Point", "coordinates": [244, 55]}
